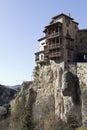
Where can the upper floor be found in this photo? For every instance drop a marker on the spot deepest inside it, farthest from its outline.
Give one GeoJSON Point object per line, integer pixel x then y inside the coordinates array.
{"type": "Point", "coordinates": [63, 40]}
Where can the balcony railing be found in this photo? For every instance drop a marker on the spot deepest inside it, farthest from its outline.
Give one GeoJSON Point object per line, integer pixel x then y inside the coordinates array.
{"type": "Point", "coordinates": [54, 54]}
{"type": "Point", "coordinates": [54, 34]}
{"type": "Point", "coordinates": [54, 46]}
{"type": "Point", "coordinates": [40, 61]}
{"type": "Point", "coordinates": [37, 54]}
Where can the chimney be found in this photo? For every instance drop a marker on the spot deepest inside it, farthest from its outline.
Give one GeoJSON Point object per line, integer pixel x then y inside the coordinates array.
{"type": "Point", "coordinates": [69, 15]}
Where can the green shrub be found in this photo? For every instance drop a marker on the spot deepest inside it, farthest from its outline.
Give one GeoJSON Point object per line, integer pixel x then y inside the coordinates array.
{"type": "Point", "coordinates": [36, 71]}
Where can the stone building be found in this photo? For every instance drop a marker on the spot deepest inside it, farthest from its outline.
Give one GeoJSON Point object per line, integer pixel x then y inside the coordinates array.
{"type": "Point", "coordinates": [63, 41]}
{"type": "Point", "coordinates": [82, 45]}
{"type": "Point", "coordinates": [63, 71]}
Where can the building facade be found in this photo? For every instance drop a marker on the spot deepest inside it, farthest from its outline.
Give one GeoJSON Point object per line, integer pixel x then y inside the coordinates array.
{"type": "Point", "coordinates": [39, 56]}
{"type": "Point", "coordinates": [63, 41]}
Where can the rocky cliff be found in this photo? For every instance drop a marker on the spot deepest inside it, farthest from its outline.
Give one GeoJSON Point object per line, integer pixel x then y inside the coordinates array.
{"type": "Point", "coordinates": [24, 100]}
{"type": "Point", "coordinates": [58, 92]}
{"type": "Point", "coordinates": [56, 98]}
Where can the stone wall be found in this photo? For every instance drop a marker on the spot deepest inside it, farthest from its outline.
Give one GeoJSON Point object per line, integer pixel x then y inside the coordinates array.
{"type": "Point", "coordinates": [82, 44]}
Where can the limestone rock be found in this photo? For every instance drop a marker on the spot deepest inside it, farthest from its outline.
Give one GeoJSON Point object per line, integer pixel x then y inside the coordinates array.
{"type": "Point", "coordinates": [70, 86]}
{"type": "Point", "coordinates": [3, 111]}
{"type": "Point", "coordinates": [53, 93]}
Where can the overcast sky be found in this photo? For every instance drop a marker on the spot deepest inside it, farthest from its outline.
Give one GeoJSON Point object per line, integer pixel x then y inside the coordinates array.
{"type": "Point", "coordinates": [21, 24]}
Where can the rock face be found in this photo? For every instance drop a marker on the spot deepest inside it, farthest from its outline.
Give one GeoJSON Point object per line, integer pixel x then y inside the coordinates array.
{"type": "Point", "coordinates": [82, 75]}
{"type": "Point", "coordinates": [58, 92]}
{"type": "Point", "coordinates": [70, 87]}
{"type": "Point", "coordinates": [56, 98]}
{"type": "Point", "coordinates": [72, 101]}
{"type": "Point", "coordinates": [26, 97]}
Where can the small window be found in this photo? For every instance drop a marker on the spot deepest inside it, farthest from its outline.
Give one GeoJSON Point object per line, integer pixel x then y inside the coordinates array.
{"type": "Point", "coordinates": [43, 43]}
{"type": "Point", "coordinates": [68, 35]}
{"type": "Point", "coordinates": [80, 34]}
{"type": "Point", "coordinates": [75, 27]}
{"type": "Point", "coordinates": [49, 31]}
{"type": "Point", "coordinates": [60, 40]}
{"type": "Point", "coordinates": [56, 28]}
{"type": "Point", "coordinates": [81, 40]}
{"type": "Point", "coordinates": [42, 57]}
{"type": "Point", "coordinates": [67, 21]}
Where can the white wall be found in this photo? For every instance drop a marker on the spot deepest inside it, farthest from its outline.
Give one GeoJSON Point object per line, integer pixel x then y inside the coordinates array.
{"type": "Point", "coordinates": [42, 43]}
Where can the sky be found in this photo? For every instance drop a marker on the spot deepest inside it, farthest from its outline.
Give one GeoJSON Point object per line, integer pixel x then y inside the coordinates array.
{"type": "Point", "coordinates": [21, 24]}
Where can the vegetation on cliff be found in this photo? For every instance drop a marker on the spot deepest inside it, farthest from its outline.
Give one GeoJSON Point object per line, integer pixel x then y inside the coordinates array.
{"type": "Point", "coordinates": [6, 95]}
{"type": "Point", "coordinates": [21, 115]}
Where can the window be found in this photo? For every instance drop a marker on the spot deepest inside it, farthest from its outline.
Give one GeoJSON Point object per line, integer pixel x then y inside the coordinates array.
{"type": "Point", "coordinates": [56, 28]}
{"type": "Point", "coordinates": [67, 21]}
{"type": "Point", "coordinates": [57, 40]}
{"type": "Point", "coordinates": [68, 35]}
{"type": "Point", "coordinates": [42, 43]}
{"type": "Point", "coordinates": [80, 34]}
{"type": "Point", "coordinates": [82, 57]}
{"type": "Point", "coordinates": [81, 40]}
{"type": "Point", "coordinates": [42, 57]}
{"type": "Point", "coordinates": [53, 40]}
{"type": "Point", "coordinates": [49, 31]}
{"type": "Point", "coordinates": [75, 27]}
{"type": "Point", "coordinates": [60, 29]}
{"type": "Point", "coordinates": [60, 40]}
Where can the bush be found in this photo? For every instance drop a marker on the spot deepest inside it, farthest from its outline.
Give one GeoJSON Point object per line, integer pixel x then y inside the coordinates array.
{"type": "Point", "coordinates": [36, 71]}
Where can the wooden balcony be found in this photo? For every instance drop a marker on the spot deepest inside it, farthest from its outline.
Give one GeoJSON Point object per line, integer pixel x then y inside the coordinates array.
{"type": "Point", "coordinates": [53, 35]}
{"type": "Point", "coordinates": [55, 55]}
{"type": "Point", "coordinates": [54, 46]}
{"type": "Point", "coordinates": [40, 61]}
{"type": "Point", "coordinates": [37, 56]}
